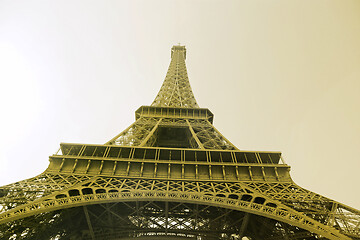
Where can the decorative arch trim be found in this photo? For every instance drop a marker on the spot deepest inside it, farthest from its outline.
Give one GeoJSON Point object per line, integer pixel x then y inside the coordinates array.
{"type": "Point", "coordinates": [285, 215]}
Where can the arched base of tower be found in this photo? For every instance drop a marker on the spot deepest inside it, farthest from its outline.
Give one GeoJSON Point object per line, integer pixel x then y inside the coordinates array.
{"type": "Point", "coordinates": [150, 220]}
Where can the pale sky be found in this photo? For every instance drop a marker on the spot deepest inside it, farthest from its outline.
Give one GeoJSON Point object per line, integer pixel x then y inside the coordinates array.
{"type": "Point", "coordinates": [278, 75]}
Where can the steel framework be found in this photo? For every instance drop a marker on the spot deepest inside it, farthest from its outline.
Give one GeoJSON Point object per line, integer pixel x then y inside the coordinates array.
{"type": "Point", "coordinates": [169, 175]}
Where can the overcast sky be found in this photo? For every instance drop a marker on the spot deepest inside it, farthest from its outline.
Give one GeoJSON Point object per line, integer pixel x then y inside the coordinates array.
{"type": "Point", "coordinates": [278, 75]}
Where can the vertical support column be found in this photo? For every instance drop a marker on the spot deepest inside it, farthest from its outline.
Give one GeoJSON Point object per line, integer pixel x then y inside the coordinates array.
{"type": "Point", "coordinates": [123, 132]}
{"type": "Point", "coordinates": [331, 219]}
{"type": "Point", "coordinates": [194, 135]}
{"type": "Point", "coordinates": [143, 142]}
{"type": "Point", "coordinates": [138, 213]}
{"type": "Point", "coordinates": [244, 224]}
{"type": "Point", "coordinates": [222, 136]}
{"type": "Point", "coordinates": [166, 217]}
{"type": "Point", "coordinates": [89, 222]}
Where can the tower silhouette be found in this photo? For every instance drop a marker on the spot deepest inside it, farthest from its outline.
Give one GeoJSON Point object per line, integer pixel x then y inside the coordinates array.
{"type": "Point", "coordinates": [169, 175]}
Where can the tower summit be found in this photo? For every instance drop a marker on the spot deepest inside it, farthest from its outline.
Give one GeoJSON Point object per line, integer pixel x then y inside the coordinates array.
{"type": "Point", "coordinates": [176, 90]}
{"type": "Point", "coordinates": [169, 175]}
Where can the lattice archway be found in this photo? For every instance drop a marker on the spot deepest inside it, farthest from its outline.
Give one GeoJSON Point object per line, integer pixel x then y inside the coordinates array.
{"type": "Point", "coordinates": [245, 203]}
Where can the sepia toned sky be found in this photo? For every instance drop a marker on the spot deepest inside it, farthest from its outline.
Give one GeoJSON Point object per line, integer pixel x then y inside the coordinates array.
{"type": "Point", "coordinates": [278, 75]}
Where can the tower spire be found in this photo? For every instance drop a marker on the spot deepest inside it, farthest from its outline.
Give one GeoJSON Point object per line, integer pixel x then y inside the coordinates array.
{"type": "Point", "coordinates": [175, 90]}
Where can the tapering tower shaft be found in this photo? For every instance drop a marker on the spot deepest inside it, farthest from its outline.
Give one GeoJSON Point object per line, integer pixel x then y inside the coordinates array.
{"type": "Point", "coordinates": [176, 90]}
{"type": "Point", "coordinates": [174, 119]}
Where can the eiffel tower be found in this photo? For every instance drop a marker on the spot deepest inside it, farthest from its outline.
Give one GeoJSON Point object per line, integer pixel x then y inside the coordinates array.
{"type": "Point", "coordinates": [169, 175]}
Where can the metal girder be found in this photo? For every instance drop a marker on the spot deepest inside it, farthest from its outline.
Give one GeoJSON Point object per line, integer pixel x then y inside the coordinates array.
{"type": "Point", "coordinates": [244, 225]}
{"type": "Point", "coordinates": [200, 145]}
{"type": "Point", "coordinates": [89, 222]}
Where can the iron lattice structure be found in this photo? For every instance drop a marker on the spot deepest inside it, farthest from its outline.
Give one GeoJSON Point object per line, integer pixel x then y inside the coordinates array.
{"type": "Point", "coordinates": [169, 175]}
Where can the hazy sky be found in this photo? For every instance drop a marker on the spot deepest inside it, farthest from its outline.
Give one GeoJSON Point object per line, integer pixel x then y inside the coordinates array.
{"type": "Point", "coordinates": [278, 75]}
